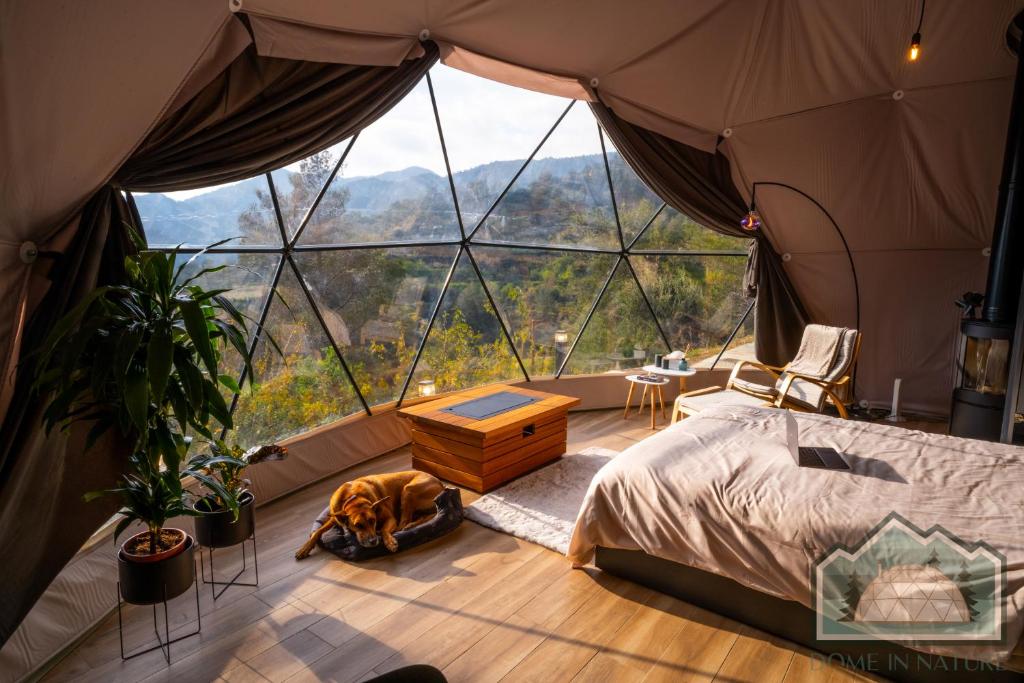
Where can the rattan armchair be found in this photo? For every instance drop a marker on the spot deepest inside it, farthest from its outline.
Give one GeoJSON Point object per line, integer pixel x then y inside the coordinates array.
{"type": "Point", "coordinates": [800, 391]}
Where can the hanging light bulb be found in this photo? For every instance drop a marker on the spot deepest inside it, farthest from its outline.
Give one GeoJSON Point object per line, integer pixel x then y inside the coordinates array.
{"type": "Point", "coordinates": [752, 221]}
{"type": "Point", "coordinates": [915, 40]}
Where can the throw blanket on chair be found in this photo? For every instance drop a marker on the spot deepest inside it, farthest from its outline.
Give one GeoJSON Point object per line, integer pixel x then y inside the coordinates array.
{"type": "Point", "coordinates": [817, 351]}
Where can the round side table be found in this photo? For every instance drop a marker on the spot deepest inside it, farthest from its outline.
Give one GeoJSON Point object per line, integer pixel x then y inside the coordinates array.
{"type": "Point", "coordinates": [655, 390]}
{"type": "Point", "coordinates": [681, 374]}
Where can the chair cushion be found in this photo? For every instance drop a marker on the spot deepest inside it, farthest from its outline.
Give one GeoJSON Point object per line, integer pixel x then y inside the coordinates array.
{"type": "Point", "coordinates": [726, 397]}
{"type": "Point", "coordinates": [809, 395]}
{"type": "Point", "coordinates": [749, 387]}
{"type": "Point", "coordinates": [805, 394]}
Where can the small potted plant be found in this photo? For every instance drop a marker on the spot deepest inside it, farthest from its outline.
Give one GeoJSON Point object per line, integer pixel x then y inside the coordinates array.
{"type": "Point", "coordinates": [142, 358]}
{"type": "Point", "coordinates": [220, 524]}
{"type": "Point", "coordinates": [157, 563]}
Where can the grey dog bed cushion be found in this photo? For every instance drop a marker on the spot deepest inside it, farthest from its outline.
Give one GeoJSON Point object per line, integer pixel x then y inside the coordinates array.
{"type": "Point", "coordinates": [343, 543]}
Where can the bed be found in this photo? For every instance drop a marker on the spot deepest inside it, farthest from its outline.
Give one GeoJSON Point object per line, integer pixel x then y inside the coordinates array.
{"type": "Point", "coordinates": [714, 510]}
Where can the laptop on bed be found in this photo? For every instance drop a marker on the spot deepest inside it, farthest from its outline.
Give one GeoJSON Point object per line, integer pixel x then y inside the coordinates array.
{"type": "Point", "coordinates": [820, 457]}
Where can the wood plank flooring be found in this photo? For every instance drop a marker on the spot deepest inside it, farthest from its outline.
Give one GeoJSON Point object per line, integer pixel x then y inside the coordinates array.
{"type": "Point", "coordinates": [480, 605]}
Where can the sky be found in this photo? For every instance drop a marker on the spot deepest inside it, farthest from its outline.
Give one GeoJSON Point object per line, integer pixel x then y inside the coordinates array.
{"type": "Point", "coordinates": [482, 121]}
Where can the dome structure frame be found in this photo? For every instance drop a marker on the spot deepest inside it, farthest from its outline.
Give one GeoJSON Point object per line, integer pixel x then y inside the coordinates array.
{"type": "Point", "coordinates": [621, 257]}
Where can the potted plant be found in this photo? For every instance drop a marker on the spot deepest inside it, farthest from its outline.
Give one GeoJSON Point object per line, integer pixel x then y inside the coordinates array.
{"type": "Point", "coordinates": [155, 564]}
{"type": "Point", "coordinates": [142, 358]}
{"type": "Point", "coordinates": [218, 524]}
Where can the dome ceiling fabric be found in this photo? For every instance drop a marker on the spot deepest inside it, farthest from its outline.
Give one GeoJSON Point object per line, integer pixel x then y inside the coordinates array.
{"type": "Point", "coordinates": [80, 86]}
{"type": "Point", "coordinates": [905, 156]}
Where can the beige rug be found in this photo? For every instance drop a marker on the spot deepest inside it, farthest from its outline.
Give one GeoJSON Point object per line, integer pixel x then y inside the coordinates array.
{"type": "Point", "coordinates": [542, 506]}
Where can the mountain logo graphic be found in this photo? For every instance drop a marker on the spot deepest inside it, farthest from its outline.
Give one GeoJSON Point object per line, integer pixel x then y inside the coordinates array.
{"type": "Point", "coordinates": [902, 583]}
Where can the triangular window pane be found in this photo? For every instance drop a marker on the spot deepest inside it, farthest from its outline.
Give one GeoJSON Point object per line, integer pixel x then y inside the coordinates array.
{"type": "Point", "coordinates": [298, 185]}
{"type": "Point", "coordinates": [543, 296]}
{"type": "Point", "coordinates": [673, 231]}
{"type": "Point", "coordinates": [299, 389]}
{"type": "Point", "coordinates": [562, 196]}
{"type": "Point", "coordinates": [636, 202]}
{"type": "Point", "coordinates": [465, 347]}
{"type": "Point", "coordinates": [698, 300]}
{"type": "Point", "coordinates": [490, 129]}
{"type": "Point", "coordinates": [376, 303]}
{"type": "Point", "coordinates": [393, 185]}
{"type": "Point", "coordinates": [249, 277]}
{"type": "Point", "coordinates": [242, 210]}
{"type": "Point", "coordinates": [621, 335]}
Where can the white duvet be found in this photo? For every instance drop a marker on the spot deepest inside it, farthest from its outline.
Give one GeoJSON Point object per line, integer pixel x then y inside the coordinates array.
{"type": "Point", "coordinates": [720, 492]}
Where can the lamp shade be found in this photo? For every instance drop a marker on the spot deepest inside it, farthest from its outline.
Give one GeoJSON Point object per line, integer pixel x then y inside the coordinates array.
{"type": "Point", "coordinates": [752, 221]}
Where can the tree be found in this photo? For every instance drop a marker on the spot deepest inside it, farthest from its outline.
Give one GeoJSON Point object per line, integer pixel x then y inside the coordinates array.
{"type": "Point", "coordinates": [851, 596]}
{"type": "Point", "coordinates": [963, 582]}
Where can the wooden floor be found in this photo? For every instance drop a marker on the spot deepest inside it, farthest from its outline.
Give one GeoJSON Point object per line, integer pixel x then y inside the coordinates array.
{"type": "Point", "coordinates": [478, 604]}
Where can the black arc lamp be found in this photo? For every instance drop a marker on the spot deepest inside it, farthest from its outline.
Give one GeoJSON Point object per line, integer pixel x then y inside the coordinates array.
{"type": "Point", "coordinates": [752, 222]}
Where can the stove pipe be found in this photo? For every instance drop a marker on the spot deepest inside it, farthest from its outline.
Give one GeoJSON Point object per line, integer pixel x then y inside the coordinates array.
{"type": "Point", "coordinates": [1006, 262]}
{"type": "Point", "coordinates": [980, 391]}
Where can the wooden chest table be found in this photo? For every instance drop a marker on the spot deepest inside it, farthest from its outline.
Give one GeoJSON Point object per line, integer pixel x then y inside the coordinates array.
{"type": "Point", "coordinates": [482, 454]}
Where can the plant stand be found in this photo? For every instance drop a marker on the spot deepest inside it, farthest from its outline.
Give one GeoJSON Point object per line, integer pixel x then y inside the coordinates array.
{"type": "Point", "coordinates": [163, 644]}
{"type": "Point", "coordinates": [219, 529]}
{"type": "Point", "coordinates": [234, 580]}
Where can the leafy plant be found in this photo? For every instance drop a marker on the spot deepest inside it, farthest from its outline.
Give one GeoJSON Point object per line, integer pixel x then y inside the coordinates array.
{"type": "Point", "coordinates": [144, 357]}
{"type": "Point", "coordinates": [149, 495]}
{"type": "Point", "coordinates": [220, 470]}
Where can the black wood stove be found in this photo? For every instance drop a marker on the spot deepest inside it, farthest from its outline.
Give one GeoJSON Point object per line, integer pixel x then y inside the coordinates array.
{"type": "Point", "coordinates": [982, 363]}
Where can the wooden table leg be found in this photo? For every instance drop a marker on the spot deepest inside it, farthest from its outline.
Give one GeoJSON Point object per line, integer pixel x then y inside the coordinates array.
{"type": "Point", "coordinates": [653, 389]}
{"type": "Point", "coordinates": [682, 384]}
{"type": "Point", "coordinates": [629, 399]}
{"type": "Point", "coordinates": [661, 401]}
{"type": "Point", "coordinates": [643, 397]}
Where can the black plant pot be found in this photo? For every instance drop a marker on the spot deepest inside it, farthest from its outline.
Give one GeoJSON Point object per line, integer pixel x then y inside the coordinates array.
{"type": "Point", "coordinates": [148, 583]}
{"type": "Point", "coordinates": [219, 529]}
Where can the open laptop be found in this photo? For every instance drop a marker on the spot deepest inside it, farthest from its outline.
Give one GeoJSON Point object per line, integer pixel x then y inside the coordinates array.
{"type": "Point", "coordinates": [811, 456]}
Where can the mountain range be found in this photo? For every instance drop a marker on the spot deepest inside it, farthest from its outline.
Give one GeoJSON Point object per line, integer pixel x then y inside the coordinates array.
{"type": "Point", "coordinates": [205, 218]}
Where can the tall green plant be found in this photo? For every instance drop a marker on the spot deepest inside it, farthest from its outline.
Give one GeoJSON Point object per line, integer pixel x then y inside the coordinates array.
{"type": "Point", "coordinates": [144, 357]}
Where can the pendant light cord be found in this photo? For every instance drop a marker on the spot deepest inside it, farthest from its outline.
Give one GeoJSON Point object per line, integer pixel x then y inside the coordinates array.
{"type": "Point", "coordinates": [920, 19]}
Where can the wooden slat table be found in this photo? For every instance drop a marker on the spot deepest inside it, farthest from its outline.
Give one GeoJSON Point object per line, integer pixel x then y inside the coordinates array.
{"type": "Point", "coordinates": [484, 454]}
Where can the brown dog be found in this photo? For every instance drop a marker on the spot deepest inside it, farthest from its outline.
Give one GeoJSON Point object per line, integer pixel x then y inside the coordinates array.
{"type": "Point", "coordinates": [376, 506]}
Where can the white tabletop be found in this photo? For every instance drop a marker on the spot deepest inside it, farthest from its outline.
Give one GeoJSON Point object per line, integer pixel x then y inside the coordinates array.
{"type": "Point", "coordinates": [640, 380]}
{"type": "Point", "coordinates": [669, 373]}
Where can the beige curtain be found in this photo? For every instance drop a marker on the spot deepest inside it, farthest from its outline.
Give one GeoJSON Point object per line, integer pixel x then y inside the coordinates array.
{"type": "Point", "coordinates": [700, 185]}
{"type": "Point", "coordinates": [259, 114]}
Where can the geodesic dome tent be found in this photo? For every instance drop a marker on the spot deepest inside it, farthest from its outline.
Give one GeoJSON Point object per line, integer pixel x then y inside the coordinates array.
{"type": "Point", "coordinates": [371, 276]}
{"type": "Point", "coordinates": [912, 593]}
{"type": "Point", "coordinates": [697, 102]}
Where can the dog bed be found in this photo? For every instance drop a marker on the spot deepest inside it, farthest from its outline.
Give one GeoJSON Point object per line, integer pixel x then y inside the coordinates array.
{"type": "Point", "coordinates": [342, 542]}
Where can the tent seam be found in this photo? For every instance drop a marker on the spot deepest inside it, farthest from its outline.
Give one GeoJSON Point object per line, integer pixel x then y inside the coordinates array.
{"type": "Point", "coordinates": [882, 95]}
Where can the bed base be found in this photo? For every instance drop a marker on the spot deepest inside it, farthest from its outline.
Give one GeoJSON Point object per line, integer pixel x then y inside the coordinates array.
{"type": "Point", "coordinates": [790, 620]}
